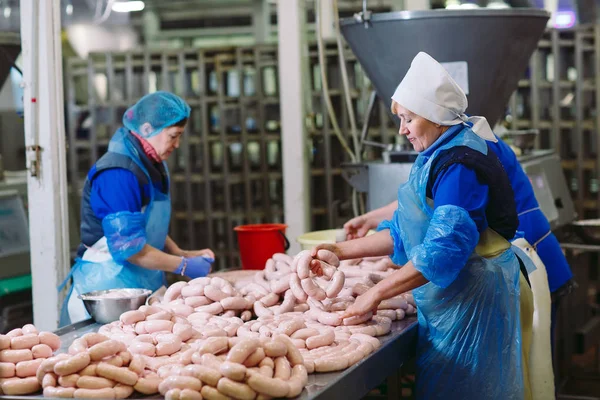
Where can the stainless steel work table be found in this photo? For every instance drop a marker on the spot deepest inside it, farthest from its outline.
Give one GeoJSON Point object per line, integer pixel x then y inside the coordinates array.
{"type": "Point", "coordinates": [397, 348]}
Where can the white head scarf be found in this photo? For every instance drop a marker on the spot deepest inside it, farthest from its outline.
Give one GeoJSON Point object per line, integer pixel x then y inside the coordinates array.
{"type": "Point", "coordinates": [430, 92]}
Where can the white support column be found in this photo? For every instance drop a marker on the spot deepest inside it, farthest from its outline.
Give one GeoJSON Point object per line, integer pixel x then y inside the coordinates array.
{"type": "Point", "coordinates": [261, 20]}
{"type": "Point", "coordinates": [46, 156]}
{"type": "Point", "coordinates": [291, 16]}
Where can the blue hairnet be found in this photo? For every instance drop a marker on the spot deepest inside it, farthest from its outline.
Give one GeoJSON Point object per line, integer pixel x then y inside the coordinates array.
{"type": "Point", "coordinates": [159, 109]}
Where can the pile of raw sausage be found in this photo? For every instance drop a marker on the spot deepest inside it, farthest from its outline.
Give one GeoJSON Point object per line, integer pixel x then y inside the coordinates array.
{"type": "Point", "coordinates": [22, 351]}
{"type": "Point", "coordinates": [255, 338]}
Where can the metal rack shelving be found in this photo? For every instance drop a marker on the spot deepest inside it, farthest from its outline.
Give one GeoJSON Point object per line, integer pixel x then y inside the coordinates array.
{"type": "Point", "coordinates": [227, 170]}
{"type": "Point", "coordinates": [559, 96]}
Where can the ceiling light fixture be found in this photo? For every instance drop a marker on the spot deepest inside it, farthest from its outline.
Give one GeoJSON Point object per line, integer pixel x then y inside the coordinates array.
{"type": "Point", "coordinates": [128, 6]}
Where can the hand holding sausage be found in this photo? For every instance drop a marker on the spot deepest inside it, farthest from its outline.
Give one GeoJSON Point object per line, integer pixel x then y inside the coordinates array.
{"type": "Point", "coordinates": [365, 303]}
{"type": "Point", "coordinates": [327, 253]}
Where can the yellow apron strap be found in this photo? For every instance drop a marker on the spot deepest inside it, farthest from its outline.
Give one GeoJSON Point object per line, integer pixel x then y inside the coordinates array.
{"type": "Point", "coordinates": [491, 244]}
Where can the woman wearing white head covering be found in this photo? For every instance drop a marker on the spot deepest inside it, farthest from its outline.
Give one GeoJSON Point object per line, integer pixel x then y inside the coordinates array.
{"type": "Point", "coordinates": [450, 233]}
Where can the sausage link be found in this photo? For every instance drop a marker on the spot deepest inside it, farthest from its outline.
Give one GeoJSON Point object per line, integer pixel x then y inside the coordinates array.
{"type": "Point", "coordinates": [312, 289]}
{"type": "Point", "coordinates": [283, 369]}
{"type": "Point", "coordinates": [7, 370]}
{"type": "Point", "coordinates": [137, 364]}
{"type": "Point", "coordinates": [268, 361]}
{"type": "Point", "coordinates": [15, 332]}
{"type": "Point", "coordinates": [59, 392]}
{"type": "Point", "coordinates": [41, 351]}
{"type": "Point", "coordinates": [189, 394]}
{"type": "Point", "coordinates": [131, 317]}
{"type": "Point", "coordinates": [93, 338]}
{"type": "Point", "coordinates": [302, 262]}
{"type": "Point", "coordinates": [235, 389]}
{"type": "Point", "coordinates": [72, 365]}
{"type": "Point", "coordinates": [270, 299]}
{"type": "Point", "coordinates": [197, 301]}
{"type": "Point", "coordinates": [168, 347]}
{"type": "Point", "coordinates": [94, 382]}
{"type": "Point", "coordinates": [20, 386]}
{"type": "Point", "coordinates": [297, 289]}
{"type": "Point", "coordinates": [255, 358]}
{"type": "Point", "coordinates": [105, 349]}
{"type": "Point", "coordinates": [273, 387]}
{"type": "Point", "coordinates": [275, 348]}
{"type": "Point", "coordinates": [106, 393]}
{"type": "Point", "coordinates": [122, 391]}
{"type": "Point", "coordinates": [304, 333]}
{"type": "Point", "coordinates": [4, 342]}
{"type": "Point", "coordinates": [26, 369]}
{"type": "Point", "coordinates": [193, 290]}
{"type": "Point", "coordinates": [49, 379]}
{"type": "Point", "coordinates": [162, 315]}
{"type": "Point", "coordinates": [48, 365]}
{"type": "Point", "coordinates": [179, 382]}
{"type": "Point", "coordinates": [117, 374]}
{"type": "Point", "coordinates": [297, 381]}
{"type": "Point", "coordinates": [25, 341]}
{"type": "Point", "coordinates": [211, 393]}
{"type": "Point", "coordinates": [331, 364]}
{"type": "Point", "coordinates": [148, 386]}
{"type": "Point", "coordinates": [293, 354]}
{"type": "Point", "coordinates": [158, 326]}
{"type": "Point", "coordinates": [174, 291]}
{"type": "Point", "coordinates": [242, 350]}
{"type": "Point", "coordinates": [336, 285]}
{"type": "Point", "coordinates": [16, 356]}
{"type": "Point", "coordinates": [233, 371]}
{"type": "Point", "coordinates": [173, 394]}
{"type": "Point", "coordinates": [299, 343]}
{"type": "Point", "coordinates": [90, 370]}
{"type": "Point", "coordinates": [78, 346]}
{"type": "Point", "coordinates": [214, 308]}
{"type": "Point", "coordinates": [68, 380]}
{"type": "Point", "coordinates": [214, 345]}
{"type": "Point", "coordinates": [206, 374]}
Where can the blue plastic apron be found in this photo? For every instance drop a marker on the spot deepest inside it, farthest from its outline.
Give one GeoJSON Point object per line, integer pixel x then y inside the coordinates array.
{"type": "Point", "coordinates": [89, 276]}
{"type": "Point", "coordinates": [469, 342]}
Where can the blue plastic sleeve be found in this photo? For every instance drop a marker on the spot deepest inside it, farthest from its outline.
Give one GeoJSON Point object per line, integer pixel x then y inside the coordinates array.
{"type": "Point", "coordinates": [125, 233]}
{"type": "Point", "coordinates": [399, 256]}
{"type": "Point", "coordinates": [449, 242]}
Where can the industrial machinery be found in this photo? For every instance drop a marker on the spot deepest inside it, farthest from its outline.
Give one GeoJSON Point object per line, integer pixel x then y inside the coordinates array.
{"type": "Point", "coordinates": [486, 51]}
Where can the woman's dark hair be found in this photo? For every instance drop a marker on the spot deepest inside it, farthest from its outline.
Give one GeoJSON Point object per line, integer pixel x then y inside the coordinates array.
{"type": "Point", "coordinates": [181, 123]}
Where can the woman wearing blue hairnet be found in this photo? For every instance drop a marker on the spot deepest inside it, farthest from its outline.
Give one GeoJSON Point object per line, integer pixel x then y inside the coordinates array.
{"type": "Point", "coordinates": [450, 232]}
{"type": "Point", "coordinates": [126, 208]}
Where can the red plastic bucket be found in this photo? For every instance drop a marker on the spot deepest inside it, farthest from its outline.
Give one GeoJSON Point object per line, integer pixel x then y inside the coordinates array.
{"type": "Point", "coordinates": [258, 243]}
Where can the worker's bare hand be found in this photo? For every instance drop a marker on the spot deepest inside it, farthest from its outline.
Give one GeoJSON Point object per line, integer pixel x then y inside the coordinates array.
{"type": "Point", "coordinates": [358, 227]}
{"type": "Point", "coordinates": [368, 301]}
{"type": "Point", "coordinates": [324, 253]}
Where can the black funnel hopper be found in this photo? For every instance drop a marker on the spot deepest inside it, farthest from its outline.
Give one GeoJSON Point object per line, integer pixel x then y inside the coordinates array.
{"type": "Point", "coordinates": [495, 44]}
{"type": "Point", "coordinates": [10, 47]}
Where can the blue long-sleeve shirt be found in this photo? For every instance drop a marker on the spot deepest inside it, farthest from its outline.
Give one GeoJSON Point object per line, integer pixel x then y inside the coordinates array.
{"type": "Point", "coordinates": [115, 190]}
{"type": "Point", "coordinates": [458, 185]}
{"type": "Point", "coordinates": [534, 223]}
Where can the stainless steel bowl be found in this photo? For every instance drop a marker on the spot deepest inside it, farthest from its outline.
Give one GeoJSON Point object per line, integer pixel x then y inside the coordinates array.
{"type": "Point", "coordinates": [106, 306]}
